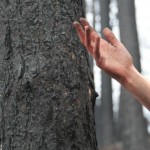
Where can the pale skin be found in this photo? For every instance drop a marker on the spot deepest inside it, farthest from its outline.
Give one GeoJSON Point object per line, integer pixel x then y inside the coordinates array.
{"type": "Point", "coordinates": [113, 58]}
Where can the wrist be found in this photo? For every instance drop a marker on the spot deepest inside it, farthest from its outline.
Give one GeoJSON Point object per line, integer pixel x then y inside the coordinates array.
{"type": "Point", "coordinates": [132, 80]}
{"type": "Point", "coordinates": [136, 84]}
{"type": "Point", "coordinates": [129, 76]}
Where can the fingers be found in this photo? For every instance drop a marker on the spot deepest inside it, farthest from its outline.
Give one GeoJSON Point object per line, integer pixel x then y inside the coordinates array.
{"type": "Point", "coordinates": [88, 43]}
{"type": "Point", "coordinates": [110, 37]}
{"type": "Point", "coordinates": [80, 31]}
{"type": "Point", "coordinates": [85, 23]}
{"type": "Point", "coordinates": [86, 34]}
{"type": "Point", "coordinates": [96, 50]}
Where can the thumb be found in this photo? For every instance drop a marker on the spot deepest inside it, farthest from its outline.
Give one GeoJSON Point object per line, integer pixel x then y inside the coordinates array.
{"type": "Point", "coordinates": [110, 36]}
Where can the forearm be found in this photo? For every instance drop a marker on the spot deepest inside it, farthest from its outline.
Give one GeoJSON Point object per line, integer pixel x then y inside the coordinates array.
{"type": "Point", "coordinates": [138, 86]}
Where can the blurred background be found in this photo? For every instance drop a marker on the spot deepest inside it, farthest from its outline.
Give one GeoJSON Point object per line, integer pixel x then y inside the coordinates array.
{"type": "Point", "coordinates": [121, 123]}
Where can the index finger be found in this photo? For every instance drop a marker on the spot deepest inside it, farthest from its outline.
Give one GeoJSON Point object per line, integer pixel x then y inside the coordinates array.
{"type": "Point", "coordinates": [85, 23]}
{"type": "Point", "coordinates": [80, 31]}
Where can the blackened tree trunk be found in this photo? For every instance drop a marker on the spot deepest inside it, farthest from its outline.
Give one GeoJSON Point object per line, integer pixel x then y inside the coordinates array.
{"type": "Point", "coordinates": [2, 64]}
{"type": "Point", "coordinates": [133, 127]}
{"type": "Point", "coordinates": [106, 122]}
{"type": "Point", "coordinates": [48, 88]}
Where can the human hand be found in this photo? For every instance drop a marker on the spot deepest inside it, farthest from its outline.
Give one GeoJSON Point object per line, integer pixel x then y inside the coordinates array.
{"type": "Point", "coordinates": [111, 55]}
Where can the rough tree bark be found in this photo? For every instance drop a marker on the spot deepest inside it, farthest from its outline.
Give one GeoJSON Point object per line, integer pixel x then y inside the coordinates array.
{"type": "Point", "coordinates": [2, 64]}
{"type": "Point", "coordinates": [48, 87]}
{"type": "Point", "coordinates": [133, 127]}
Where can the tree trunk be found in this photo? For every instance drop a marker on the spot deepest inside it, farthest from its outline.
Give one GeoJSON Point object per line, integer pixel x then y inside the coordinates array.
{"type": "Point", "coordinates": [48, 88]}
{"type": "Point", "coordinates": [132, 123]}
{"type": "Point", "coordinates": [106, 122]}
{"type": "Point", "coordinates": [2, 64]}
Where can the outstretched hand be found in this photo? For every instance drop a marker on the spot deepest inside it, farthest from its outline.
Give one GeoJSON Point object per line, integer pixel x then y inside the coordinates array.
{"type": "Point", "coordinates": [111, 55]}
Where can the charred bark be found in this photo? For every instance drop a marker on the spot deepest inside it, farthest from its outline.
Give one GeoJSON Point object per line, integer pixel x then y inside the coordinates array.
{"type": "Point", "coordinates": [48, 86]}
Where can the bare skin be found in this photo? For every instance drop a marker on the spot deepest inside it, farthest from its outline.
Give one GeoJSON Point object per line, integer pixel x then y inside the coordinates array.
{"type": "Point", "coordinates": [114, 59]}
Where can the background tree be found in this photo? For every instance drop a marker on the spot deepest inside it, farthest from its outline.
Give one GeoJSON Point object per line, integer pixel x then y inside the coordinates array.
{"type": "Point", "coordinates": [48, 87]}
{"type": "Point", "coordinates": [105, 125]}
{"type": "Point", "coordinates": [132, 123]}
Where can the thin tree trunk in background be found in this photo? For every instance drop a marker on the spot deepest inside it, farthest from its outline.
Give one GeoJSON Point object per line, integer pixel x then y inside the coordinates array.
{"type": "Point", "coordinates": [48, 88]}
{"type": "Point", "coordinates": [105, 125]}
{"type": "Point", "coordinates": [133, 127]}
{"type": "Point", "coordinates": [94, 12]}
